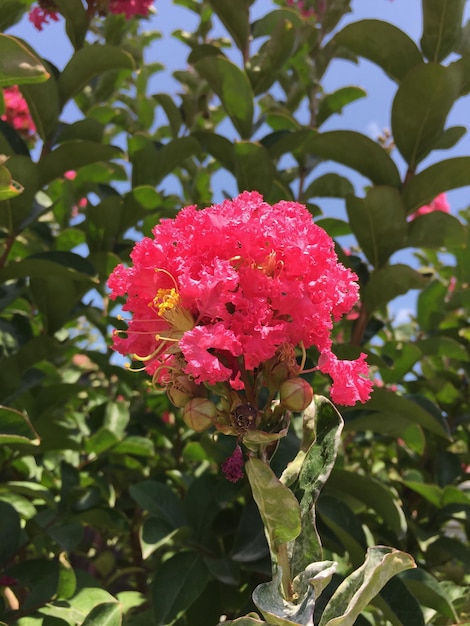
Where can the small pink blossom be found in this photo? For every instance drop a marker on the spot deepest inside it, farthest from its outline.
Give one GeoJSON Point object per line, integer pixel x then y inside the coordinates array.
{"type": "Point", "coordinates": [222, 289]}
{"type": "Point", "coordinates": [130, 8]}
{"type": "Point", "coordinates": [17, 113]}
{"type": "Point", "coordinates": [439, 203]}
{"type": "Point", "coordinates": [233, 466]}
{"type": "Point", "coordinates": [41, 15]}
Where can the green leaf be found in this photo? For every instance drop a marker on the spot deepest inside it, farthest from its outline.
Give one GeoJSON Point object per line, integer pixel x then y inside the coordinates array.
{"type": "Point", "coordinates": [309, 471]}
{"type": "Point", "coordinates": [173, 154]}
{"type": "Point", "coordinates": [15, 428]}
{"type": "Point", "coordinates": [44, 106]}
{"type": "Point", "coordinates": [159, 500]}
{"type": "Point", "coordinates": [372, 492]}
{"type": "Point", "coordinates": [387, 283]}
{"type": "Point", "coordinates": [263, 67]}
{"type": "Point", "coordinates": [89, 62]}
{"type": "Point", "coordinates": [235, 17]}
{"type": "Point", "coordinates": [71, 156]}
{"type": "Point", "coordinates": [382, 43]}
{"type": "Point", "coordinates": [329, 186]}
{"type": "Point", "coordinates": [76, 20]}
{"type": "Point", "coordinates": [10, 531]}
{"type": "Point", "coordinates": [357, 152]}
{"type": "Point", "coordinates": [420, 110]}
{"type": "Point", "coordinates": [438, 178]}
{"type": "Point", "coordinates": [172, 112]}
{"type": "Point", "coordinates": [451, 137]}
{"type": "Point", "coordinates": [379, 223]}
{"type": "Point", "coordinates": [277, 505]}
{"type": "Point", "coordinates": [8, 187]}
{"type": "Point", "coordinates": [339, 518]}
{"type": "Point", "coordinates": [360, 587]}
{"type": "Point", "coordinates": [398, 605]}
{"type": "Point", "coordinates": [218, 147]}
{"type": "Point", "coordinates": [442, 27]}
{"type": "Point", "coordinates": [17, 64]}
{"type": "Point", "coordinates": [335, 102]}
{"type": "Point", "coordinates": [428, 591]}
{"type": "Point", "coordinates": [254, 168]}
{"type": "Point", "coordinates": [233, 88]}
{"type": "Point", "coordinates": [12, 12]}
{"type": "Point", "coordinates": [106, 614]}
{"type": "Point", "coordinates": [177, 583]}
{"type": "Point", "coordinates": [435, 230]}
{"type": "Point", "coordinates": [387, 412]}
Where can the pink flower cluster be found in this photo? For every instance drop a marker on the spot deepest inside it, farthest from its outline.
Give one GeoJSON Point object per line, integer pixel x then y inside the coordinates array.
{"type": "Point", "coordinates": [439, 203]}
{"type": "Point", "coordinates": [220, 290]}
{"type": "Point", "coordinates": [17, 113]}
{"type": "Point", "coordinates": [300, 6]}
{"type": "Point", "coordinates": [47, 9]}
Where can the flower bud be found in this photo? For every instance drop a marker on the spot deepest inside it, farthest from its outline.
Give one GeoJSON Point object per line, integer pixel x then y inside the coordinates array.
{"type": "Point", "coordinates": [178, 397]}
{"type": "Point", "coordinates": [295, 394]}
{"type": "Point", "coordinates": [199, 414]}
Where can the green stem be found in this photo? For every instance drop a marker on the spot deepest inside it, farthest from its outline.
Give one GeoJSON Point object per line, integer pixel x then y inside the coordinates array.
{"type": "Point", "coordinates": [283, 563]}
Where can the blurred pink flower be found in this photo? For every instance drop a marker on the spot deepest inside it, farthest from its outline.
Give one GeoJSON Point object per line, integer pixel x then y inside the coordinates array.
{"type": "Point", "coordinates": [17, 113]}
{"type": "Point", "coordinates": [439, 203]}
{"type": "Point", "coordinates": [41, 14]}
{"type": "Point", "coordinates": [130, 8]}
{"type": "Point", "coordinates": [223, 288]}
{"type": "Point", "coordinates": [300, 6]}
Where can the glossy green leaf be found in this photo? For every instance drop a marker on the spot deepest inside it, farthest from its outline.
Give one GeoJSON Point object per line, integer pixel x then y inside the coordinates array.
{"type": "Point", "coordinates": [435, 230]}
{"type": "Point", "coordinates": [272, 55]}
{"type": "Point", "coordinates": [420, 110]}
{"type": "Point", "coordinates": [12, 12]}
{"type": "Point", "coordinates": [335, 102]}
{"type": "Point", "coordinates": [177, 583]}
{"type": "Point", "coordinates": [173, 154]}
{"type": "Point", "coordinates": [106, 614]}
{"type": "Point", "coordinates": [233, 88]}
{"type": "Point", "coordinates": [438, 178]}
{"type": "Point", "coordinates": [172, 112]}
{"type": "Point", "coordinates": [10, 531]}
{"type": "Point", "coordinates": [8, 187]}
{"type": "Point", "coordinates": [429, 592]}
{"type": "Point", "coordinates": [442, 27]}
{"type": "Point", "coordinates": [451, 137]}
{"type": "Point", "coordinates": [334, 227]}
{"type": "Point", "coordinates": [73, 155]}
{"type": "Point", "coordinates": [382, 43]}
{"type": "Point", "coordinates": [372, 492]}
{"type": "Point", "coordinates": [89, 62]}
{"type": "Point", "coordinates": [357, 152]}
{"type": "Point", "coordinates": [346, 526]}
{"type": "Point", "coordinates": [277, 505]}
{"type": "Point", "coordinates": [76, 20]}
{"type": "Point", "coordinates": [360, 587]}
{"type": "Point", "coordinates": [430, 308]}
{"type": "Point", "coordinates": [379, 223]}
{"type": "Point", "coordinates": [254, 168]}
{"type": "Point", "coordinates": [267, 24]}
{"type": "Point", "coordinates": [18, 65]}
{"type": "Point", "coordinates": [219, 147]}
{"type": "Point", "coordinates": [44, 106]}
{"type": "Point", "coordinates": [15, 428]}
{"type": "Point", "coordinates": [387, 283]}
{"type": "Point", "coordinates": [159, 500]}
{"type": "Point", "coordinates": [390, 413]}
{"type": "Point", "coordinates": [243, 621]}
{"type": "Point", "coordinates": [329, 186]}
{"type": "Point", "coordinates": [398, 605]}
{"type": "Point", "coordinates": [235, 17]}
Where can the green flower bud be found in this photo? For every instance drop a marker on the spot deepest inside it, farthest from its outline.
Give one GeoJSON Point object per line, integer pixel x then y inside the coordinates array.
{"type": "Point", "coordinates": [295, 394]}
{"type": "Point", "coordinates": [199, 414]}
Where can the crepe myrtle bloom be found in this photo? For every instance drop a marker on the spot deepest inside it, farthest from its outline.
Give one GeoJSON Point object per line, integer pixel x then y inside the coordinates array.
{"type": "Point", "coordinates": [47, 9]}
{"type": "Point", "coordinates": [218, 296]}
